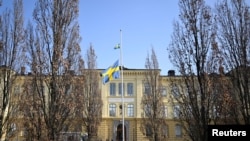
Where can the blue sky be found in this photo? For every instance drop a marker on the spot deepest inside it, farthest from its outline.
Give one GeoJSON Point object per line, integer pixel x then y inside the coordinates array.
{"type": "Point", "coordinates": [144, 24]}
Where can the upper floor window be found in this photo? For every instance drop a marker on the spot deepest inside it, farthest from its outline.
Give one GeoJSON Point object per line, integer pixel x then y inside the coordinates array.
{"type": "Point", "coordinates": [147, 110]}
{"type": "Point", "coordinates": [112, 89]}
{"type": "Point", "coordinates": [13, 127]}
{"type": "Point", "coordinates": [112, 110]}
{"type": "Point", "coordinates": [130, 89]}
{"type": "Point", "coordinates": [178, 130]}
{"type": "Point", "coordinates": [176, 111]}
{"type": "Point", "coordinates": [130, 110]}
{"type": "Point", "coordinates": [215, 112]}
{"type": "Point", "coordinates": [146, 88]}
{"type": "Point", "coordinates": [121, 89]}
{"type": "Point", "coordinates": [164, 91]}
{"type": "Point", "coordinates": [187, 91]}
{"type": "Point", "coordinates": [175, 91]}
{"type": "Point", "coordinates": [189, 110]}
{"type": "Point", "coordinates": [41, 89]}
{"type": "Point", "coordinates": [17, 89]}
{"type": "Point", "coordinates": [68, 89]}
{"type": "Point", "coordinates": [165, 111]}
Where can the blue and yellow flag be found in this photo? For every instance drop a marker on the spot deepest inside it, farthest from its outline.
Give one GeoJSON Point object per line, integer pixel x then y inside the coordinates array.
{"type": "Point", "coordinates": [117, 46]}
{"type": "Point", "coordinates": [112, 72]}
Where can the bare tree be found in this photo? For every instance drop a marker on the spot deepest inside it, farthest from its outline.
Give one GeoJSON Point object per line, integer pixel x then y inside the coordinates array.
{"type": "Point", "coordinates": [32, 122]}
{"type": "Point", "coordinates": [194, 54]}
{"type": "Point", "coordinates": [91, 102]}
{"type": "Point", "coordinates": [224, 107]}
{"type": "Point", "coordinates": [55, 63]}
{"type": "Point", "coordinates": [233, 19]}
{"type": "Point", "coordinates": [11, 59]}
{"type": "Point", "coordinates": [153, 122]}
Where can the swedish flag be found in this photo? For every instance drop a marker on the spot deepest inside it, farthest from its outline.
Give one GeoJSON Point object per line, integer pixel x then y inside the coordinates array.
{"type": "Point", "coordinates": [117, 46]}
{"type": "Point", "coordinates": [112, 72]}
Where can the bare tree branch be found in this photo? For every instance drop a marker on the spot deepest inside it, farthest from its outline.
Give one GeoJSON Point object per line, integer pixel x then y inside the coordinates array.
{"type": "Point", "coordinates": [233, 19]}
{"type": "Point", "coordinates": [153, 122]}
{"type": "Point", "coordinates": [11, 60]}
{"type": "Point", "coordinates": [56, 65]}
{"type": "Point", "coordinates": [91, 102]}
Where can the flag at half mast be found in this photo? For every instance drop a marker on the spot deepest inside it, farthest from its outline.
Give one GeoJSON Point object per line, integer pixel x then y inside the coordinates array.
{"type": "Point", "coordinates": [117, 46]}
{"type": "Point", "coordinates": [112, 72]}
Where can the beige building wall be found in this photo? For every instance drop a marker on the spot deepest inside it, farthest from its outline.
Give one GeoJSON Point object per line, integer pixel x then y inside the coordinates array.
{"type": "Point", "coordinates": [109, 127]}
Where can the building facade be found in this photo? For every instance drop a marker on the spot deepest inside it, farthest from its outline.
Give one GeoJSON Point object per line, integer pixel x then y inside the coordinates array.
{"type": "Point", "coordinates": [111, 127]}
{"type": "Point", "coordinates": [134, 89]}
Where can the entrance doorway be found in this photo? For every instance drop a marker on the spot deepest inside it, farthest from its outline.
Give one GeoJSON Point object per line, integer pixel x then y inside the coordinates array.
{"type": "Point", "coordinates": [119, 133]}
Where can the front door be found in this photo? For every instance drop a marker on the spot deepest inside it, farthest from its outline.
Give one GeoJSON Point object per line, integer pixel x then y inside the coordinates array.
{"type": "Point", "coordinates": [119, 133]}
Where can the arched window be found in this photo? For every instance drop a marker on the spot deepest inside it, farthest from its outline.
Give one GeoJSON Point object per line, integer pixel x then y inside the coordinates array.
{"type": "Point", "coordinates": [148, 130]}
{"type": "Point", "coordinates": [178, 130]}
{"type": "Point", "coordinates": [164, 130]}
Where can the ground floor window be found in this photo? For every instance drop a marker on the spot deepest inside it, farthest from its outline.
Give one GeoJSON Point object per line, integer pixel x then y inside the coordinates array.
{"type": "Point", "coordinates": [178, 130]}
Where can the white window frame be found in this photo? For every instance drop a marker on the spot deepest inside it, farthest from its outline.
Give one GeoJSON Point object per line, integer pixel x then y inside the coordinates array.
{"type": "Point", "coordinates": [112, 110]}
{"type": "Point", "coordinates": [130, 108]}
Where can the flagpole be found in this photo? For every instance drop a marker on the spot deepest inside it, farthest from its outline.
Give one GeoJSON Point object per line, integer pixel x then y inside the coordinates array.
{"type": "Point", "coordinates": [123, 107]}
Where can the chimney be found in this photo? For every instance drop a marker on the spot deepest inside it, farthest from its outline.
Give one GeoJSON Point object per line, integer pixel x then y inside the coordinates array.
{"type": "Point", "coordinates": [221, 70]}
{"type": "Point", "coordinates": [171, 73]}
{"type": "Point", "coordinates": [22, 70]}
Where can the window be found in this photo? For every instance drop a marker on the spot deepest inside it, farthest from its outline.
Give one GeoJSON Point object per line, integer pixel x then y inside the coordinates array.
{"type": "Point", "coordinates": [178, 132]}
{"type": "Point", "coordinates": [15, 112]}
{"type": "Point", "coordinates": [65, 128]}
{"type": "Point", "coordinates": [189, 110]}
{"type": "Point", "coordinates": [68, 89]}
{"type": "Point", "coordinates": [175, 91]}
{"type": "Point", "coordinates": [16, 89]}
{"type": "Point", "coordinates": [164, 91]}
{"type": "Point", "coordinates": [13, 127]}
{"type": "Point", "coordinates": [164, 130]}
{"type": "Point", "coordinates": [148, 131]}
{"type": "Point", "coordinates": [41, 89]}
{"type": "Point", "coordinates": [130, 89]}
{"type": "Point", "coordinates": [165, 111]}
{"type": "Point", "coordinates": [147, 110]}
{"type": "Point", "coordinates": [176, 111]}
{"type": "Point", "coordinates": [187, 91]}
{"type": "Point", "coordinates": [120, 89]}
{"type": "Point", "coordinates": [130, 110]}
{"type": "Point", "coordinates": [112, 89]}
{"type": "Point", "coordinates": [215, 111]}
{"type": "Point", "coordinates": [146, 88]}
{"type": "Point", "coordinates": [78, 113]}
{"type": "Point", "coordinates": [112, 110]}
